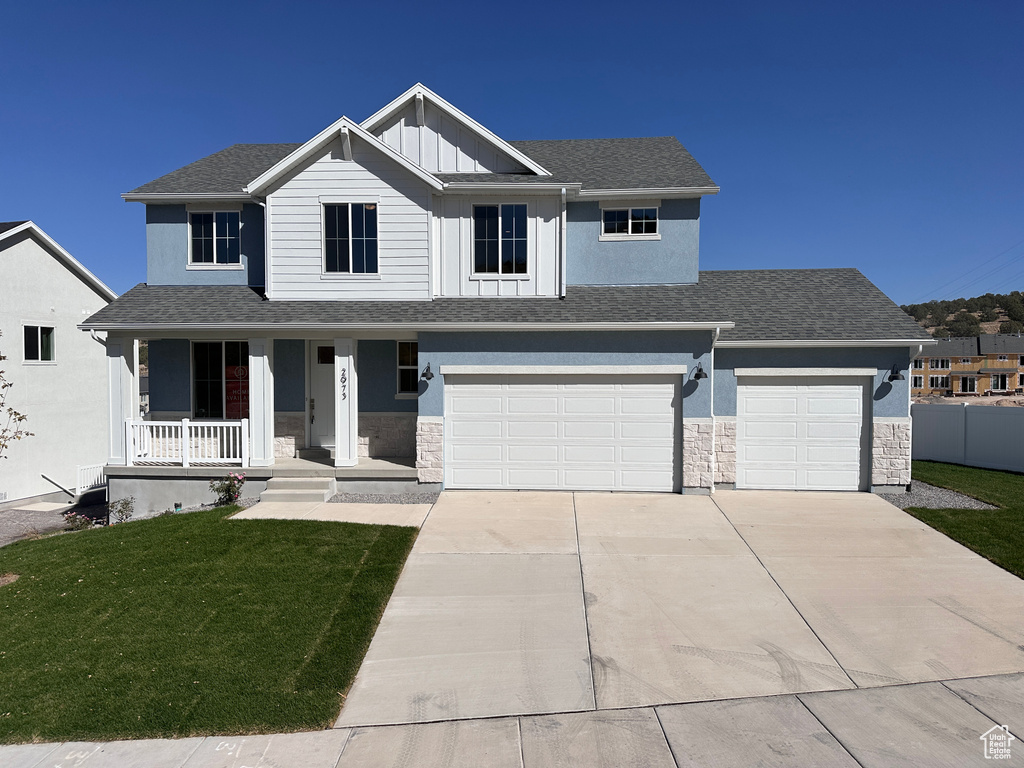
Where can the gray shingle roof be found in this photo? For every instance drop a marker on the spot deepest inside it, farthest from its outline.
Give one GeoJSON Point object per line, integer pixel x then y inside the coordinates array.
{"type": "Point", "coordinates": [222, 173]}
{"type": "Point", "coordinates": [814, 304]}
{"type": "Point", "coordinates": [1001, 343]}
{"type": "Point", "coordinates": [645, 163]}
{"type": "Point", "coordinates": [958, 346]}
{"type": "Point", "coordinates": [7, 225]}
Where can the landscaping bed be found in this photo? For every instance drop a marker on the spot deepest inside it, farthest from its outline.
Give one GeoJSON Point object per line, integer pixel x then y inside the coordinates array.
{"type": "Point", "coordinates": [996, 534]}
{"type": "Point", "coordinates": [188, 625]}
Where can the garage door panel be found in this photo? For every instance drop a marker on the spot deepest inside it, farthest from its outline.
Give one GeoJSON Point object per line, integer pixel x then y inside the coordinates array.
{"type": "Point", "coordinates": [801, 433]}
{"type": "Point", "coordinates": [564, 432]}
{"type": "Point", "coordinates": [485, 405]}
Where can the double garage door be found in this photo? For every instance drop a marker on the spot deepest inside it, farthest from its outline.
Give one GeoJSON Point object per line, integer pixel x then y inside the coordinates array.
{"type": "Point", "coordinates": [599, 432]}
{"type": "Point", "coordinates": [802, 433]}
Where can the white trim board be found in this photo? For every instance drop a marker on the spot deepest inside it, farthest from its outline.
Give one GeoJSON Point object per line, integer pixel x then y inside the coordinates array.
{"type": "Point", "coordinates": [805, 372]}
{"type": "Point", "coordinates": [785, 343]}
{"type": "Point", "coordinates": [571, 370]}
{"type": "Point", "coordinates": [283, 328]}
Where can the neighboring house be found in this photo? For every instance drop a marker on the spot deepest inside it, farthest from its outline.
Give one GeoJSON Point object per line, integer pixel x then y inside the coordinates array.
{"type": "Point", "coordinates": [58, 373]}
{"type": "Point", "coordinates": [973, 365]}
{"type": "Point", "coordinates": [525, 314]}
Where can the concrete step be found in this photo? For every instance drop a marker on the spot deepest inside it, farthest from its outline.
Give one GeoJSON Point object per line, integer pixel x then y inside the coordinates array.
{"type": "Point", "coordinates": [298, 489]}
{"type": "Point", "coordinates": [283, 495]}
{"type": "Point", "coordinates": [315, 454]}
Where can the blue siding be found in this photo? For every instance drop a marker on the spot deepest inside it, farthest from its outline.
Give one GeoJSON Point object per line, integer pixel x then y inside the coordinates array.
{"type": "Point", "coordinates": [170, 366]}
{"type": "Point", "coordinates": [289, 375]}
{"type": "Point", "coordinates": [888, 399]}
{"type": "Point", "coordinates": [167, 249]}
{"type": "Point", "coordinates": [378, 378]}
{"type": "Point", "coordinates": [568, 348]}
{"type": "Point", "coordinates": [673, 259]}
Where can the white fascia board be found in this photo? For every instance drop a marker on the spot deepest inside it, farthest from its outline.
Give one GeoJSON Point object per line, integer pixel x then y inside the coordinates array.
{"type": "Point", "coordinates": [805, 371]}
{"type": "Point", "coordinates": [373, 122]}
{"type": "Point", "coordinates": [69, 261]}
{"type": "Point", "coordinates": [177, 197]}
{"type": "Point", "coordinates": [797, 343]}
{"type": "Point", "coordinates": [577, 370]}
{"type": "Point", "coordinates": [475, 187]}
{"type": "Point", "coordinates": [659, 192]}
{"type": "Point", "coordinates": [420, 327]}
{"type": "Point", "coordinates": [320, 141]}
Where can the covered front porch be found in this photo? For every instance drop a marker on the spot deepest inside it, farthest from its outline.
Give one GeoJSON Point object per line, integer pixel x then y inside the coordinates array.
{"type": "Point", "coordinates": [300, 404]}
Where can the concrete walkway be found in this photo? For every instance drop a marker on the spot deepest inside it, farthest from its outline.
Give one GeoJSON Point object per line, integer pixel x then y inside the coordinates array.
{"type": "Point", "coordinates": [750, 628]}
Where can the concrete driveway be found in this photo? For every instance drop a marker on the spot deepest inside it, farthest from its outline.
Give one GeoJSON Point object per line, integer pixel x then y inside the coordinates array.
{"type": "Point", "coordinates": [534, 603]}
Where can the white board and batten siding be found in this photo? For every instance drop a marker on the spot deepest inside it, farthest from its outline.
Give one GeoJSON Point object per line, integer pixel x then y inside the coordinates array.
{"type": "Point", "coordinates": [296, 228]}
{"type": "Point", "coordinates": [802, 433]}
{"type": "Point", "coordinates": [453, 230]}
{"type": "Point", "coordinates": [562, 432]}
{"type": "Point", "coordinates": [442, 144]}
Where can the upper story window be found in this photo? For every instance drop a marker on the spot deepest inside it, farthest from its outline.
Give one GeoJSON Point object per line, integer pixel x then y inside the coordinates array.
{"type": "Point", "coordinates": [499, 239]}
{"type": "Point", "coordinates": [629, 223]}
{"type": "Point", "coordinates": [215, 239]}
{"type": "Point", "coordinates": [1003, 358]}
{"type": "Point", "coordinates": [965, 361]}
{"type": "Point", "coordinates": [918, 364]}
{"type": "Point", "coordinates": [350, 238]}
{"type": "Point", "coordinates": [938, 363]}
{"type": "Point", "coordinates": [1020, 362]}
{"type": "Point", "coordinates": [408, 368]}
{"type": "Point", "coordinates": [39, 344]}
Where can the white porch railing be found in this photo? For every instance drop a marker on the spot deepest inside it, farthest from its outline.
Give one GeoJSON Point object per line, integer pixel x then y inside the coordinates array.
{"type": "Point", "coordinates": [184, 443]}
{"type": "Point", "coordinates": [90, 476]}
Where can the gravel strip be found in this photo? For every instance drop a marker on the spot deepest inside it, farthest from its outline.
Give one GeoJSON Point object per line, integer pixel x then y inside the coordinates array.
{"type": "Point", "coordinates": [931, 497]}
{"type": "Point", "coordinates": [383, 498]}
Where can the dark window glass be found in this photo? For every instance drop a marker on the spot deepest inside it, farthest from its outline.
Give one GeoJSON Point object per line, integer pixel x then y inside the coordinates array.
{"type": "Point", "coordinates": [336, 239]}
{"type": "Point", "coordinates": [408, 366]}
{"type": "Point", "coordinates": [236, 379]}
{"type": "Point", "coordinates": [208, 383]}
{"type": "Point", "coordinates": [226, 231]}
{"type": "Point", "coordinates": [46, 343]}
{"type": "Point", "coordinates": [31, 342]}
{"type": "Point", "coordinates": [407, 351]}
{"type": "Point", "coordinates": [325, 355]}
{"type": "Point", "coordinates": [485, 238]}
{"type": "Point", "coordinates": [408, 381]}
{"type": "Point", "coordinates": [513, 239]}
{"type": "Point", "coordinates": [202, 238]}
{"type": "Point", "coordinates": [616, 222]}
{"type": "Point", "coordinates": [645, 221]}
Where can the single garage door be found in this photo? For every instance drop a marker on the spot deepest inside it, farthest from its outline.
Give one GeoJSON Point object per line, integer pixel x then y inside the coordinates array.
{"type": "Point", "coordinates": [593, 432]}
{"type": "Point", "coordinates": [804, 433]}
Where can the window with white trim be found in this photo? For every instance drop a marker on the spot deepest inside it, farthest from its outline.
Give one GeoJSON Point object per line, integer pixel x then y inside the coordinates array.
{"type": "Point", "coordinates": [408, 368]}
{"type": "Point", "coordinates": [919, 364]}
{"type": "Point", "coordinates": [1003, 358]}
{"type": "Point", "coordinates": [916, 382]}
{"type": "Point", "coordinates": [215, 238]}
{"type": "Point", "coordinates": [627, 222]}
{"type": "Point", "coordinates": [350, 238]}
{"type": "Point", "coordinates": [965, 361]}
{"type": "Point", "coordinates": [499, 239]}
{"type": "Point", "coordinates": [220, 380]}
{"type": "Point", "coordinates": [938, 382]}
{"type": "Point", "coordinates": [999, 382]}
{"type": "Point", "coordinates": [1020, 362]}
{"type": "Point", "coordinates": [39, 344]}
{"type": "Point", "coordinates": [938, 363]}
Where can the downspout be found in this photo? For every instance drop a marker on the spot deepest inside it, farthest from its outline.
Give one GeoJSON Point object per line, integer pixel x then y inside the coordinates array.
{"type": "Point", "coordinates": [561, 248]}
{"type": "Point", "coordinates": [266, 247]}
{"type": "Point", "coordinates": [714, 424]}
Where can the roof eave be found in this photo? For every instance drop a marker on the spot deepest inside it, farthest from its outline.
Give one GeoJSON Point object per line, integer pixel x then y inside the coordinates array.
{"type": "Point", "coordinates": [182, 197]}
{"type": "Point", "coordinates": [648, 192]}
{"type": "Point", "coordinates": [754, 343]}
{"type": "Point", "coordinates": [415, 325]}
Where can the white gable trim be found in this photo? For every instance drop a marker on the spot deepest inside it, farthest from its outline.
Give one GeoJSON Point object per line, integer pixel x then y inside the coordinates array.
{"type": "Point", "coordinates": [342, 128]}
{"type": "Point", "coordinates": [419, 92]}
{"type": "Point", "coordinates": [69, 261]}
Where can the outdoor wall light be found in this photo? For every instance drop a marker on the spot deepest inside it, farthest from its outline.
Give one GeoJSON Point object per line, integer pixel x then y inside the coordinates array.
{"type": "Point", "coordinates": [700, 374]}
{"type": "Point", "coordinates": [427, 374]}
{"type": "Point", "coordinates": [895, 374]}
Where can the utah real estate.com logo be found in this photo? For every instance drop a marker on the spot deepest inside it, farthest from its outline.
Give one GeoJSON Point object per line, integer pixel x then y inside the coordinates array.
{"type": "Point", "coordinates": [997, 742]}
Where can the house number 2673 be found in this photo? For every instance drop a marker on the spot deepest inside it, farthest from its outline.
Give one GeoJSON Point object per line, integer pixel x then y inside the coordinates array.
{"type": "Point", "coordinates": [344, 383]}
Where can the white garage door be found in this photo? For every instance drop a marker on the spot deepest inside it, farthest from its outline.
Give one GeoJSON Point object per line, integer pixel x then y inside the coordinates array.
{"type": "Point", "coordinates": [595, 432]}
{"type": "Point", "coordinates": [805, 433]}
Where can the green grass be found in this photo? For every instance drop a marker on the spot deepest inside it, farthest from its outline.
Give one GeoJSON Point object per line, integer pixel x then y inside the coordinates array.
{"type": "Point", "coordinates": [995, 534]}
{"type": "Point", "coordinates": [188, 625]}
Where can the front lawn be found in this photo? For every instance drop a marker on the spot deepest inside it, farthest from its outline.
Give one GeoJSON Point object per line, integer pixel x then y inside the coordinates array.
{"type": "Point", "coordinates": [995, 534]}
{"type": "Point", "coordinates": [189, 624]}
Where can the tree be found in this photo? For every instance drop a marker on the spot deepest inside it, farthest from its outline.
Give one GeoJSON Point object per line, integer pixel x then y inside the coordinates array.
{"type": "Point", "coordinates": [989, 314]}
{"type": "Point", "coordinates": [964, 324]}
{"type": "Point", "coordinates": [1011, 326]}
{"type": "Point", "coordinates": [11, 421]}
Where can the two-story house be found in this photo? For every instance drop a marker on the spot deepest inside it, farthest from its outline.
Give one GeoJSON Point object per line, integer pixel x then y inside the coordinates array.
{"type": "Point", "coordinates": [513, 314]}
{"type": "Point", "coordinates": [973, 365]}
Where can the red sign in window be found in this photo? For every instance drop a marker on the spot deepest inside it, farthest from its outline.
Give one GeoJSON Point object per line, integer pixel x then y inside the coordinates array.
{"type": "Point", "coordinates": [236, 385]}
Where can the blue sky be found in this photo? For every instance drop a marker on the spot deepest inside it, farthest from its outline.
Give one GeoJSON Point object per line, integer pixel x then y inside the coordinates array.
{"type": "Point", "coordinates": [883, 136]}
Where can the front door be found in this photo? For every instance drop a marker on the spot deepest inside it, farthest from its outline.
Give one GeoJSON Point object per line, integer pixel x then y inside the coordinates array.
{"type": "Point", "coordinates": [321, 395]}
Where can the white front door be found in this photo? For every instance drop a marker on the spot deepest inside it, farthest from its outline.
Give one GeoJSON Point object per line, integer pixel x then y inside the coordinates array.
{"type": "Point", "coordinates": [321, 394]}
{"type": "Point", "coordinates": [575, 432]}
{"type": "Point", "coordinates": [801, 433]}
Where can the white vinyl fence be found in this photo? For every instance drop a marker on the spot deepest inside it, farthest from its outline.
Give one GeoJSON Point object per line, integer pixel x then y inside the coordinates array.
{"type": "Point", "coordinates": [987, 436]}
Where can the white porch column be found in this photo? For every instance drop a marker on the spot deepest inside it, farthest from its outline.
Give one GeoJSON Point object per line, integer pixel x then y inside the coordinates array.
{"type": "Point", "coordinates": [261, 402]}
{"type": "Point", "coordinates": [346, 405]}
{"type": "Point", "coordinates": [121, 388]}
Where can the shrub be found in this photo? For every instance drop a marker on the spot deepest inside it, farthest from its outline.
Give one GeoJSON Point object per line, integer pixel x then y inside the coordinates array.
{"type": "Point", "coordinates": [228, 489]}
{"type": "Point", "coordinates": [76, 521]}
{"type": "Point", "coordinates": [121, 511]}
